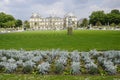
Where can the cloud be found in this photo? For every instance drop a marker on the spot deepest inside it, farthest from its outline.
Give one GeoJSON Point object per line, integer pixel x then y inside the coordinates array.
{"type": "Point", "coordinates": [111, 3]}
{"type": "Point", "coordinates": [57, 8]}
{"type": "Point", "coordinates": [23, 9]}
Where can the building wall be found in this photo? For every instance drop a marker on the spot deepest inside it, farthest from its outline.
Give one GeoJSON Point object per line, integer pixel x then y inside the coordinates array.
{"type": "Point", "coordinates": [51, 23]}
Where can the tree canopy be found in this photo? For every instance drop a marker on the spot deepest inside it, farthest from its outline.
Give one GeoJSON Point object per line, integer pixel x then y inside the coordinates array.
{"type": "Point", "coordinates": [26, 24]}
{"type": "Point", "coordinates": [84, 22]}
{"type": "Point", "coordinates": [105, 19]}
{"type": "Point", "coordinates": [7, 21]}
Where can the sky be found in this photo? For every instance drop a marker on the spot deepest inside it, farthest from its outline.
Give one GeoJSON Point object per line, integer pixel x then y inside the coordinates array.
{"type": "Point", "coordinates": [23, 9]}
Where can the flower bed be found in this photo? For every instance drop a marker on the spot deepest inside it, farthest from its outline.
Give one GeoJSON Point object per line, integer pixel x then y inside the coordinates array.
{"type": "Point", "coordinates": [60, 62]}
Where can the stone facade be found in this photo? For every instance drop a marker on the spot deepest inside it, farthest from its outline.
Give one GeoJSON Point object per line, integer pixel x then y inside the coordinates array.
{"type": "Point", "coordinates": [70, 20]}
{"type": "Point", "coordinates": [52, 22]}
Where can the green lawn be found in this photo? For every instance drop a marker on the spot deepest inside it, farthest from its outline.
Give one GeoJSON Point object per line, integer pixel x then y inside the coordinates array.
{"type": "Point", "coordinates": [82, 40]}
{"type": "Point", "coordinates": [54, 77]}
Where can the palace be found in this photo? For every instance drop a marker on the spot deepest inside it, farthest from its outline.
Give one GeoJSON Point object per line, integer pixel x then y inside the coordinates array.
{"type": "Point", "coordinates": [52, 23]}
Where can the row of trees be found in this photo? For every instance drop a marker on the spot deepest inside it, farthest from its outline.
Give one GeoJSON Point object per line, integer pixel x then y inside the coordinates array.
{"type": "Point", "coordinates": [99, 18]}
{"type": "Point", "coordinates": [8, 21]}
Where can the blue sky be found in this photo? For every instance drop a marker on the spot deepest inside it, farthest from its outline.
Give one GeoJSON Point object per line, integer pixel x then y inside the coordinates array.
{"type": "Point", "coordinates": [23, 9]}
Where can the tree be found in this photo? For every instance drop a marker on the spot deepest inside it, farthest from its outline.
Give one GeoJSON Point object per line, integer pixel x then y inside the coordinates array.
{"type": "Point", "coordinates": [105, 19]}
{"type": "Point", "coordinates": [115, 11]}
{"type": "Point", "coordinates": [9, 24]}
{"type": "Point", "coordinates": [84, 22]}
{"type": "Point", "coordinates": [18, 23]}
{"type": "Point", "coordinates": [98, 23]}
{"type": "Point", "coordinates": [7, 21]}
{"type": "Point", "coordinates": [119, 25]}
{"type": "Point", "coordinates": [113, 25]}
{"type": "Point", "coordinates": [26, 24]}
{"type": "Point", "coordinates": [114, 17]}
{"type": "Point", "coordinates": [98, 16]}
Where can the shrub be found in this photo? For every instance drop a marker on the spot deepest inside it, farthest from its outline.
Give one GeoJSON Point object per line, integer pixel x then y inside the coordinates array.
{"type": "Point", "coordinates": [109, 67]}
{"type": "Point", "coordinates": [64, 54]}
{"type": "Point", "coordinates": [30, 63]}
{"type": "Point", "coordinates": [54, 53]}
{"type": "Point", "coordinates": [112, 54]}
{"type": "Point", "coordinates": [37, 58]}
{"type": "Point", "coordinates": [20, 63]}
{"type": "Point", "coordinates": [10, 67]}
{"type": "Point", "coordinates": [59, 68]}
{"type": "Point", "coordinates": [91, 67]}
{"type": "Point", "coordinates": [4, 59]}
{"type": "Point", "coordinates": [28, 66]}
{"type": "Point", "coordinates": [62, 60]}
{"type": "Point", "coordinates": [117, 61]}
{"type": "Point", "coordinates": [11, 60]}
{"type": "Point", "coordinates": [94, 53]}
{"type": "Point", "coordinates": [44, 68]}
{"type": "Point", "coordinates": [93, 70]}
{"type": "Point", "coordinates": [75, 68]}
{"type": "Point", "coordinates": [101, 60]}
{"type": "Point", "coordinates": [44, 54]}
{"type": "Point", "coordinates": [27, 69]}
{"type": "Point", "coordinates": [85, 55]}
{"type": "Point", "coordinates": [49, 59]}
{"type": "Point", "coordinates": [75, 56]}
{"type": "Point", "coordinates": [2, 68]}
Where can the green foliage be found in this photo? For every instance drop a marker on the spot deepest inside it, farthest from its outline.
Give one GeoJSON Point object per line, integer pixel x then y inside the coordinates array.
{"type": "Point", "coordinates": [119, 25]}
{"type": "Point", "coordinates": [97, 16]}
{"type": "Point", "coordinates": [7, 21]}
{"type": "Point", "coordinates": [113, 25]}
{"type": "Point", "coordinates": [27, 24]}
{"type": "Point", "coordinates": [59, 68]}
{"type": "Point", "coordinates": [98, 23]}
{"type": "Point", "coordinates": [18, 23]}
{"type": "Point", "coordinates": [84, 22]}
{"type": "Point", "coordinates": [112, 17]}
{"type": "Point", "coordinates": [93, 70]}
{"type": "Point", "coordinates": [27, 69]}
{"type": "Point", "coordinates": [115, 11]}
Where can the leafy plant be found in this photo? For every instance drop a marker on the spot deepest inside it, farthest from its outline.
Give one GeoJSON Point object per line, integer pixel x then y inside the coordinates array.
{"type": "Point", "coordinates": [109, 67]}
{"type": "Point", "coordinates": [28, 66]}
{"type": "Point", "coordinates": [91, 67]}
{"type": "Point", "coordinates": [44, 68]}
{"type": "Point", "coordinates": [59, 67]}
{"type": "Point", "coordinates": [10, 67]}
{"type": "Point", "coordinates": [75, 68]}
{"type": "Point", "coordinates": [75, 56]}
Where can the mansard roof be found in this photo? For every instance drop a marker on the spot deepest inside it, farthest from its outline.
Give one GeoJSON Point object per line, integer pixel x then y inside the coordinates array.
{"type": "Point", "coordinates": [55, 17]}
{"type": "Point", "coordinates": [70, 15]}
{"type": "Point", "coordinates": [35, 15]}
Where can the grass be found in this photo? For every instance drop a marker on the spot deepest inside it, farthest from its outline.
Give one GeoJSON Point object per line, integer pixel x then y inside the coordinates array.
{"type": "Point", "coordinates": [54, 77]}
{"type": "Point", "coordinates": [82, 40]}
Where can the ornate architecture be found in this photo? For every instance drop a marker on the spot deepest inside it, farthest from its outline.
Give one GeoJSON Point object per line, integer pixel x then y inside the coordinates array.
{"type": "Point", "coordinates": [52, 22]}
